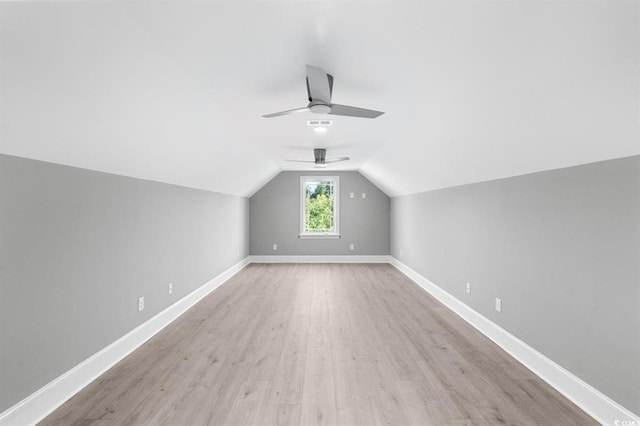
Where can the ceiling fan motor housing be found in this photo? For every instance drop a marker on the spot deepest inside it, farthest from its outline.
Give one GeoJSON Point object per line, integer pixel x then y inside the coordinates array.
{"type": "Point", "coordinates": [320, 154]}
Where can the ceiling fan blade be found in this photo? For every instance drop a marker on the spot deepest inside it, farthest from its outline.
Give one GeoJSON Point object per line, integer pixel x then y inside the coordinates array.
{"type": "Point", "coordinates": [319, 85]}
{"type": "Point", "coordinates": [354, 111]}
{"type": "Point", "coordinates": [335, 160]}
{"type": "Point", "coordinates": [289, 112]}
{"type": "Point", "coordinates": [300, 161]}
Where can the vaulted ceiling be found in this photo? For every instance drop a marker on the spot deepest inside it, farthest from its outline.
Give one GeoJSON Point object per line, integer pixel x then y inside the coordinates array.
{"type": "Point", "coordinates": [174, 91]}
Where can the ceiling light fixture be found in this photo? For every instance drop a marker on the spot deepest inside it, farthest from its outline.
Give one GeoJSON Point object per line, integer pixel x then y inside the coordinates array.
{"type": "Point", "coordinates": [320, 129]}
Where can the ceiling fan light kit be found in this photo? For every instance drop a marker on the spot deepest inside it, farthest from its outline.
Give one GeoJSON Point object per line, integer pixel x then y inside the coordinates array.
{"type": "Point", "coordinates": [320, 109]}
{"type": "Point", "coordinates": [319, 92]}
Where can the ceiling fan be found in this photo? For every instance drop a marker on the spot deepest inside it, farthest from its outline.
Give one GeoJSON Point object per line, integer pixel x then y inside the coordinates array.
{"type": "Point", "coordinates": [319, 90]}
{"type": "Point", "coordinates": [321, 160]}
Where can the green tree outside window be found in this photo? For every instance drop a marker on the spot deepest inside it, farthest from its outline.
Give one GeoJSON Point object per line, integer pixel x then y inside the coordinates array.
{"type": "Point", "coordinates": [319, 207]}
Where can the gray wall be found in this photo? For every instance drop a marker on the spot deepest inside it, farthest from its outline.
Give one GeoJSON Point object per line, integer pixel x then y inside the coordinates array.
{"type": "Point", "coordinates": [562, 250]}
{"type": "Point", "coordinates": [275, 218]}
{"type": "Point", "coordinates": [77, 248]}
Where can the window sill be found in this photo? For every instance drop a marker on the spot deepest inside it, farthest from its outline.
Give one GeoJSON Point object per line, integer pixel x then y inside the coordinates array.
{"type": "Point", "coordinates": [319, 236]}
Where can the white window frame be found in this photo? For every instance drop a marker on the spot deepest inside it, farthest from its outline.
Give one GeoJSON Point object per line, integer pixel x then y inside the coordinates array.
{"type": "Point", "coordinates": [336, 207]}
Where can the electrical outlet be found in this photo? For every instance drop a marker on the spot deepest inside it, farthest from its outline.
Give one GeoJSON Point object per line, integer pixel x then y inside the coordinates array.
{"type": "Point", "coordinates": [401, 252]}
{"type": "Point", "coordinates": [364, 195]}
{"type": "Point", "coordinates": [468, 288]}
{"type": "Point", "coordinates": [498, 304]}
{"type": "Point", "coordinates": [170, 288]}
{"type": "Point", "coordinates": [140, 303]}
{"type": "Point", "coordinates": [275, 247]}
{"type": "Point", "coordinates": [352, 246]}
{"type": "Point", "coordinates": [352, 195]}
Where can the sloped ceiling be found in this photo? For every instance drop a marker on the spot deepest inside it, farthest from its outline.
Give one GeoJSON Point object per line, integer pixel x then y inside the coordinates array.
{"type": "Point", "coordinates": [174, 91]}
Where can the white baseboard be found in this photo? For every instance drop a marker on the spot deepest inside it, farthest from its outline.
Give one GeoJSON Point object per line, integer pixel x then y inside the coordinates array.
{"type": "Point", "coordinates": [589, 399]}
{"type": "Point", "coordinates": [41, 403]}
{"type": "Point", "coordinates": [321, 259]}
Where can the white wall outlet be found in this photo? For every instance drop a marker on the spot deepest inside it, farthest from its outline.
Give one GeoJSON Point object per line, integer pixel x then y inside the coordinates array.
{"type": "Point", "coordinates": [352, 246]}
{"type": "Point", "coordinates": [401, 252]}
{"type": "Point", "coordinates": [275, 247]}
{"type": "Point", "coordinates": [468, 288]}
{"type": "Point", "coordinates": [498, 304]}
{"type": "Point", "coordinates": [364, 195]}
{"type": "Point", "coordinates": [170, 288]}
{"type": "Point", "coordinates": [352, 195]}
{"type": "Point", "coordinates": [140, 303]}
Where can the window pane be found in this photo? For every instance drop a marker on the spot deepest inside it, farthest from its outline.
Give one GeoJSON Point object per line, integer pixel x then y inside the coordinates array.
{"type": "Point", "coordinates": [319, 206]}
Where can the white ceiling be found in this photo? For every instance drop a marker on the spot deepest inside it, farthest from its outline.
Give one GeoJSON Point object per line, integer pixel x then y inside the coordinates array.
{"type": "Point", "coordinates": [174, 91]}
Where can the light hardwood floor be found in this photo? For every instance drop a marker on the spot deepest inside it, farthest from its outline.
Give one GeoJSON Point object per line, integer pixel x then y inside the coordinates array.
{"type": "Point", "coordinates": [347, 344]}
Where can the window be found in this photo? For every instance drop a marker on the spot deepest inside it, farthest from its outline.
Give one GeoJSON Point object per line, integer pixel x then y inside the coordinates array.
{"type": "Point", "coordinates": [319, 206]}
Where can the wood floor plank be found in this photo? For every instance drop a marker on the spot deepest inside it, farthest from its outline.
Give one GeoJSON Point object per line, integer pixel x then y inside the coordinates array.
{"type": "Point", "coordinates": [318, 396]}
{"type": "Point", "coordinates": [332, 344]}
